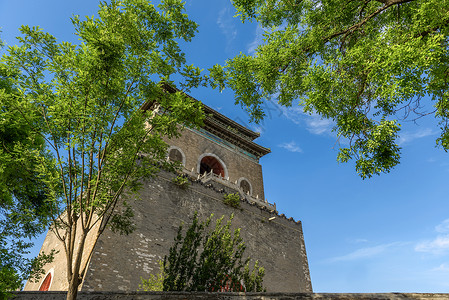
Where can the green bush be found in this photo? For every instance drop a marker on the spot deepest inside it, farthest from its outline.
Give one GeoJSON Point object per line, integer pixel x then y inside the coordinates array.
{"type": "Point", "coordinates": [232, 200]}
{"type": "Point", "coordinates": [212, 260]}
{"type": "Point", "coordinates": [155, 282]}
{"type": "Point", "coordinates": [181, 181]}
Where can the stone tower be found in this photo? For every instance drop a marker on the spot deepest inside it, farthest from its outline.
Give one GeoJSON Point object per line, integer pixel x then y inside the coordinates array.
{"type": "Point", "coordinates": [219, 158]}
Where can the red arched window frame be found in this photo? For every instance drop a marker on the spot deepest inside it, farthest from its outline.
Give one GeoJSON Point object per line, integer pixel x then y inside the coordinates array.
{"type": "Point", "coordinates": [46, 283]}
{"type": "Point", "coordinates": [210, 163]}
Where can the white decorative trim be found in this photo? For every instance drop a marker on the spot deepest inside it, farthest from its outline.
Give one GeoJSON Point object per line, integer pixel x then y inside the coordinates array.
{"type": "Point", "coordinates": [198, 165]}
{"type": "Point", "coordinates": [249, 182]}
{"type": "Point", "coordinates": [180, 150]}
{"type": "Point", "coordinates": [52, 274]}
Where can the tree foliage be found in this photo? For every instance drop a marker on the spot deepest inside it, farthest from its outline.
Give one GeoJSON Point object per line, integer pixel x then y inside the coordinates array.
{"type": "Point", "coordinates": [365, 64]}
{"type": "Point", "coordinates": [81, 103]}
{"type": "Point", "coordinates": [23, 206]}
{"type": "Point", "coordinates": [203, 259]}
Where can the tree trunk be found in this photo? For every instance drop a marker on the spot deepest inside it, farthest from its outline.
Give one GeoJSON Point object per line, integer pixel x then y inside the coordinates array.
{"type": "Point", "coordinates": [73, 288]}
{"type": "Point", "coordinates": [76, 279]}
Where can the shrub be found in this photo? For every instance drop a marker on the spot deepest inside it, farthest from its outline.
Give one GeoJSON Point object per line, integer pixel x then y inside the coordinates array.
{"type": "Point", "coordinates": [155, 282]}
{"type": "Point", "coordinates": [232, 200]}
{"type": "Point", "coordinates": [181, 181]}
{"type": "Point", "coordinates": [212, 260]}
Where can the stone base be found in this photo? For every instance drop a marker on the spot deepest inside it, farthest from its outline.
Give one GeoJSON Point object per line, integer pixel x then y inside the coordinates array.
{"type": "Point", "coordinates": [225, 296]}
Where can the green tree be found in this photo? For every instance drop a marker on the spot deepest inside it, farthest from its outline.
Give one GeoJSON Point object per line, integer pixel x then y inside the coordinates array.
{"type": "Point", "coordinates": [86, 103]}
{"type": "Point", "coordinates": [23, 207]}
{"type": "Point", "coordinates": [220, 261]}
{"type": "Point", "coordinates": [365, 64]}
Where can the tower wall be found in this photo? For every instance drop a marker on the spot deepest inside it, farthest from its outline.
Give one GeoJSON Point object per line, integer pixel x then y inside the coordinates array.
{"type": "Point", "coordinates": [118, 261]}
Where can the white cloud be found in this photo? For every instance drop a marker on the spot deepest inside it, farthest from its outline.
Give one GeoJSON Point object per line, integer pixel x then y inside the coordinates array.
{"type": "Point", "coordinates": [438, 245]}
{"type": "Point", "coordinates": [259, 36]}
{"type": "Point", "coordinates": [319, 125]}
{"type": "Point", "coordinates": [258, 39]}
{"type": "Point", "coordinates": [408, 137]}
{"type": "Point", "coordinates": [257, 128]}
{"type": "Point", "coordinates": [363, 253]}
{"type": "Point", "coordinates": [225, 22]}
{"type": "Point", "coordinates": [292, 147]}
{"type": "Point", "coordinates": [443, 227]}
{"type": "Point", "coordinates": [294, 113]}
{"type": "Point", "coordinates": [314, 123]}
{"type": "Point", "coordinates": [441, 268]}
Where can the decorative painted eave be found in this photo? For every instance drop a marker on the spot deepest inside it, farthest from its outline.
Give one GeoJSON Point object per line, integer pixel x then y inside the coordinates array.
{"type": "Point", "coordinates": [225, 122]}
{"type": "Point", "coordinates": [217, 129]}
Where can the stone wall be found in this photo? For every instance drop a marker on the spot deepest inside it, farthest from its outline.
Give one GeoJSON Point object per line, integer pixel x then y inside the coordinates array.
{"type": "Point", "coordinates": [118, 262]}
{"type": "Point", "coordinates": [224, 296]}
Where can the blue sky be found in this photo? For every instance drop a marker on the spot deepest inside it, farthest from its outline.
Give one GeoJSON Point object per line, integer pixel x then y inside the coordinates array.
{"type": "Point", "coordinates": [385, 234]}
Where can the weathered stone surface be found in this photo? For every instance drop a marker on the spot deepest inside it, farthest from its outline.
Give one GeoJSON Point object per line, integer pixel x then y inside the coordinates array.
{"type": "Point", "coordinates": [118, 262]}
{"type": "Point", "coordinates": [225, 296]}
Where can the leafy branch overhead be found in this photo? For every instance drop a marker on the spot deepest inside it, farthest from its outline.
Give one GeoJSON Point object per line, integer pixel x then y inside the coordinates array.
{"type": "Point", "coordinates": [365, 64]}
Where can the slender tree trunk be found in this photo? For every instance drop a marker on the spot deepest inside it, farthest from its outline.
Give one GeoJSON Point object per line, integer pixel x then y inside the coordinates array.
{"type": "Point", "coordinates": [73, 288]}
{"type": "Point", "coordinates": [76, 279]}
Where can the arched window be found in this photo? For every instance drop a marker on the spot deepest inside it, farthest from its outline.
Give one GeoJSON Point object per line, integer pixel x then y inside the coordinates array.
{"type": "Point", "coordinates": [245, 186]}
{"type": "Point", "coordinates": [175, 155]}
{"type": "Point", "coordinates": [210, 163]}
{"type": "Point", "coordinates": [46, 283]}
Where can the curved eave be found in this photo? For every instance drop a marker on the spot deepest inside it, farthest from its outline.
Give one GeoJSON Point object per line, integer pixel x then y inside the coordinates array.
{"type": "Point", "coordinates": [246, 131]}
{"type": "Point", "coordinates": [235, 139]}
{"type": "Point", "coordinates": [222, 118]}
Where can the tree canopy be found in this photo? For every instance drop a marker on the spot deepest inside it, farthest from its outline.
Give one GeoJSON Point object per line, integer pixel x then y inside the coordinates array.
{"type": "Point", "coordinates": [365, 64]}
{"type": "Point", "coordinates": [89, 139]}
